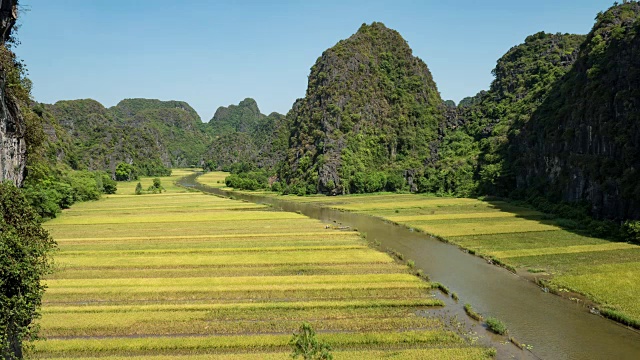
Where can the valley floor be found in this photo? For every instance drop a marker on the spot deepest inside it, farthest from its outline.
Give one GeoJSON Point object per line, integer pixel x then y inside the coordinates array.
{"type": "Point", "coordinates": [188, 275]}
{"type": "Point", "coordinates": [524, 240]}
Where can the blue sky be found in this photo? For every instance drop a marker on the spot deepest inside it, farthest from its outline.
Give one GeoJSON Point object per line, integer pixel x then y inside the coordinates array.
{"type": "Point", "coordinates": [215, 53]}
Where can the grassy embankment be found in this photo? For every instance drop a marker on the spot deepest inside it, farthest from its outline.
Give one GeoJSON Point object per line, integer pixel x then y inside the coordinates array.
{"type": "Point", "coordinates": [518, 238]}
{"type": "Point", "coordinates": [188, 275]}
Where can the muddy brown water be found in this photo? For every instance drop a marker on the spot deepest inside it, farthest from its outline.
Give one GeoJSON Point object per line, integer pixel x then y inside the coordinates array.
{"type": "Point", "coordinates": [555, 327]}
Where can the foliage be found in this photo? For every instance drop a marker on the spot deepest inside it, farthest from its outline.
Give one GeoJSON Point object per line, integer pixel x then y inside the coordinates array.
{"type": "Point", "coordinates": [209, 165]}
{"type": "Point", "coordinates": [138, 189]}
{"type": "Point", "coordinates": [242, 134]}
{"type": "Point", "coordinates": [631, 229]}
{"type": "Point", "coordinates": [109, 186]}
{"type": "Point", "coordinates": [249, 180]}
{"type": "Point", "coordinates": [26, 248]}
{"type": "Point", "coordinates": [475, 156]}
{"type": "Point", "coordinates": [304, 344]}
{"type": "Point", "coordinates": [125, 172]}
{"type": "Point", "coordinates": [49, 193]}
{"type": "Point", "coordinates": [151, 135]}
{"type": "Point", "coordinates": [450, 103]}
{"type": "Point", "coordinates": [496, 326]}
{"type": "Point", "coordinates": [589, 125]}
{"type": "Point", "coordinates": [371, 111]}
{"type": "Point", "coordinates": [156, 187]}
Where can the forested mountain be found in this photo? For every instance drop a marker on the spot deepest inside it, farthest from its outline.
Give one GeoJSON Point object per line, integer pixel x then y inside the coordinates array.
{"type": "Point", "coordinates": [582, 144]}
{"type": "Point", "coordinates": [242, 134]}
{"type": "Point", "coordinates": [473, 154]}
{"type": "Point", "coordinates": [560, 120]}
{"type": "Point", "coordinates": [369, 121]}
{"type": "Point", "coordinates": [152, 135]}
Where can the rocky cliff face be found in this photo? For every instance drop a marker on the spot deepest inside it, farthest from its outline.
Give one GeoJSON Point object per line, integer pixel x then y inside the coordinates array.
{"type": "Point", "coordinates": [241, 133]}
{"type": "Point", "coordinates": [479, 141]}
{"type": "Point", "coordinates": [583, 143]}
{"type": "Point", "coordinates": [371, 111]}
{"type": "Point", "coordinates": [12, 126]}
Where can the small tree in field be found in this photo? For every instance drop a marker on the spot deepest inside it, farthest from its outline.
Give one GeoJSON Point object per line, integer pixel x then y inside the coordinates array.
{"type": "Point", "coordinates": [139, 189]}
{"type": "Point", "coordinates": [157, 187]}
{"type": "Point", "coordinates": [304, 344]}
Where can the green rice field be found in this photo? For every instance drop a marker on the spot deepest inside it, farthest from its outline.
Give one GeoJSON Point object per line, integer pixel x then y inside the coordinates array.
{"type": "Point", "coordinates": [184, 275]}
{"type": "Point", "coordinates": [522, 239]}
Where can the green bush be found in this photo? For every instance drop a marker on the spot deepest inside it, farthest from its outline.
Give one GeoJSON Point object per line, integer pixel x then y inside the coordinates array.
{"type": "Point", "coordinates": [156, 187]}
{"type": "Point", "coordinates": [631, 230]}
{"type": "Point", "coordinates": [496, 326]}
{"type": "Point", "coordinates": [304, 344]}
{"type": "Point", "coordinates": [109, 186]}
{"type": "Point", "coordinates": [48, 195]}
{"type": "Point", "coordinates": [395, 182]}
{"type": "Point", "coordinates": [26, 257]}
{"type": "Point", "coordinates": [251, 180]}
{"type": "Point", "coordinates": [276, 186]}
{"type": "Point", "coordinates": [84, 185]}
{"type": "Point", "coordinates": [125, 172]}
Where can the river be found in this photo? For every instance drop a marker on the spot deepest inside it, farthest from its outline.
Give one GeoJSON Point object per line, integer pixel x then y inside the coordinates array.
{"type": "Point", "coordinates": [555, 327]}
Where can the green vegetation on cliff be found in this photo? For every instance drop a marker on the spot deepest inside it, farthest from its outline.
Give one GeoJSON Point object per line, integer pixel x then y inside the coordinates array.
{"type": "Point", "coordinates": [369, 120]}
{"type": "Point", "coordinates": [241, 134]}
{"type": "Point", "coordinates": [474, 155]}
{"type": "Point", "coordinates": [152, 135]}
{"type": "Point", "coordinates": [583, 142]}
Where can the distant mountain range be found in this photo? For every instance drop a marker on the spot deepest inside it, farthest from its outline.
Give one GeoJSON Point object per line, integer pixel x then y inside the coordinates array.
{"type": "Point", "coordinates": [561, 120]}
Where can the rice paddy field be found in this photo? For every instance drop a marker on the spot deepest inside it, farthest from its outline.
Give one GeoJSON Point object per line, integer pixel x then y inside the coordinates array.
{"type": "Point", "coordinates": [213, 179]}
{"type": "Point", "coordinates": [525, 240]}
{"type": "Point", "coordinates": [184, 275]}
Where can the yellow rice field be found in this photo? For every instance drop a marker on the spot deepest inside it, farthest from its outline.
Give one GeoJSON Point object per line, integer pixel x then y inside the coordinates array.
{"type": "Point", "coordinates": [521, 238]}
{"type": "Point", "coordinates": [184, 275]}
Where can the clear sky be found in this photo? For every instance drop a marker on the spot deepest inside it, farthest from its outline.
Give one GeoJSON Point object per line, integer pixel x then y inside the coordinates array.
{"type": "Point", "coordinates": [214, 53]}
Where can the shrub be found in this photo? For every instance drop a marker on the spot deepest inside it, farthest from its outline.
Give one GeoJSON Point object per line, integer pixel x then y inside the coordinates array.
{"type": "Point", "coordinates": [395, 182]}
{"type": "Point", "coordinates": [109, 186]}
{"type": "Point", "coordinates": [276, 186]}
{"type": "Point", "coordinates": [26, 256]}
{"type": "Point", "coordinates": [631, 230]}
{"type": "Point", "coordinates": [125, 172]}
{"type": "Point", "coordinates": [304, 343]}
{"type": "Point", "coordinates": [156, 187]}
{"type": "Point", "coordinates": [251, 180]}
{"type": "Point", "coordinates": [496, 326]}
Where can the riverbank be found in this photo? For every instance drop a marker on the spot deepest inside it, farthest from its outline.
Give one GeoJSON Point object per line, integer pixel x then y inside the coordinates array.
{"type": "Point", "coordinates": [583, 269]}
